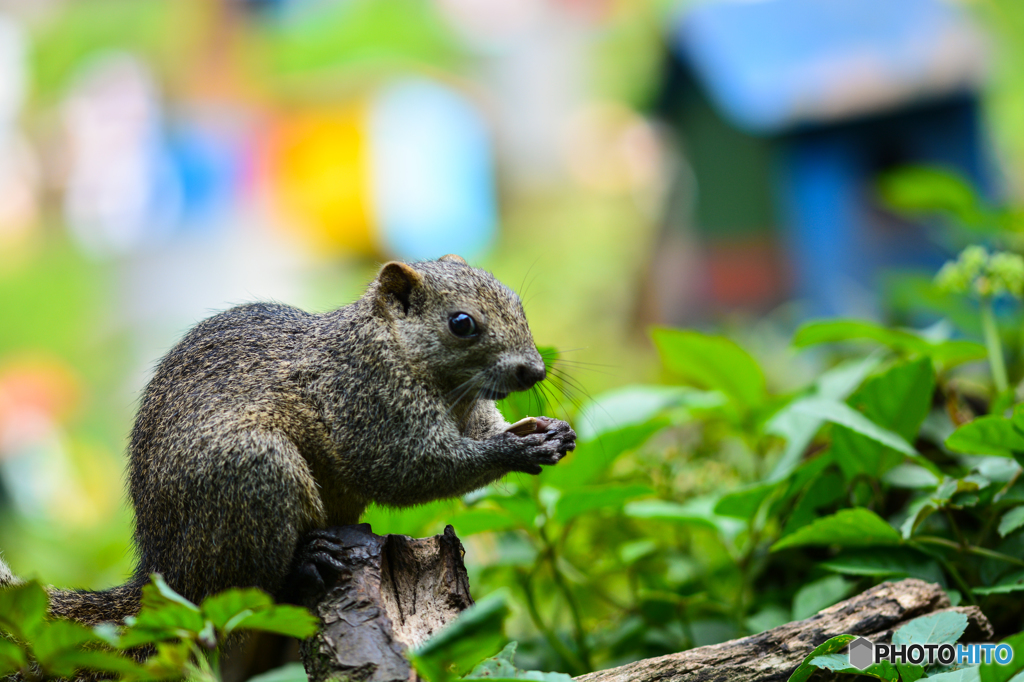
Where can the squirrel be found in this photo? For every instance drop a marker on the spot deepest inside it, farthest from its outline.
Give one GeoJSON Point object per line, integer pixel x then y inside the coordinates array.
{"type": "Point", "coordinates": [266, 424]}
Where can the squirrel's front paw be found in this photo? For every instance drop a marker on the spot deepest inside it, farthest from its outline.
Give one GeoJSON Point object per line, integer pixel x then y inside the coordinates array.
{"type": "Point", "coordinates": [547, 444]}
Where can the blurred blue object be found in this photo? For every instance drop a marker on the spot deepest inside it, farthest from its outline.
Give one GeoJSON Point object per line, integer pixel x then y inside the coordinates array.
{"type": "Point", "coordinates": [208, 165]}
{"type": "Point", "coordinates": [775, 64]}
{"type": "Point", "coordinates": [432, 172]}
{"type": "Point", "coordinates": [805, 103]}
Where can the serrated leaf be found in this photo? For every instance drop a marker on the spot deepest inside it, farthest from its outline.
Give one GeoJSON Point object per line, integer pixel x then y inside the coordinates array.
{"type": "Point", "coordinates": [501, 668]}
{"type": "Point", "coordinates": [1011, 583]}
{"type": "Point", "coordinates": [805, 669]}
{"type": "Point", "coordinates": [989, 435]}
{"type": "Point", "coordinates": [284, 619]}
{"type": "Point", "coordinates": [592, 458]}
{"type": "Point", "coordinates": [222, 607]}
{"type": "Point", "coordinates": [883, 670]}
{"type": "Point", "coordinates": [935, 628]}
{"type": "Point", "coordinates": [817, 595]}
{"type": "Point", "coordinates": [897, 400]}
{"type": "Point", "coordinates": [695, 512]}
{"type": "Point", "coordinates": [846, 528]}
{"type": "Point", "coordinates": [632, 405]}
{"type": "Point", "coordinates": [944, 628]}
{"type": "Point", "coordinates": [712, 362]}
{"type": "Point", "coordinates": [888, 562]}
{"type": "Point", "coordinates": [1011, 521]}
{"type": "Point", "coordinates": [844, 415]}
{"type": "Point", "coordinates": [609, 497]}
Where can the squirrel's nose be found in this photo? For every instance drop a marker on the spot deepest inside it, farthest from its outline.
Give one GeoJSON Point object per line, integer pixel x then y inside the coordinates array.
{"type": "Point", "coordinates": [529, 373]}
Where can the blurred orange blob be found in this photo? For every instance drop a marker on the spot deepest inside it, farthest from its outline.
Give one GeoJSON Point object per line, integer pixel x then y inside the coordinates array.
{"type": "Point", "coordinates": [35, 392]}
{"type": "Point", "coordinates": [318, 179]}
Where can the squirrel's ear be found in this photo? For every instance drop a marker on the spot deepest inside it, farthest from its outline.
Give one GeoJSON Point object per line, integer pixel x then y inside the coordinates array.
{"type": "Point", "coordinates": [397, 281]}
{"type": "Point", "coordinates": [452, 258]}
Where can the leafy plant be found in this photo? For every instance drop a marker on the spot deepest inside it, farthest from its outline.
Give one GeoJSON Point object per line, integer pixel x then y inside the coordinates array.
{"type": "Point", "coordinates": [170, 638]}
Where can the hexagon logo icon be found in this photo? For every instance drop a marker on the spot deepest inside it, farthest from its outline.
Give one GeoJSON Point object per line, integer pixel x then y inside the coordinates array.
{"type": "Point", "coordinates": [862, 653]}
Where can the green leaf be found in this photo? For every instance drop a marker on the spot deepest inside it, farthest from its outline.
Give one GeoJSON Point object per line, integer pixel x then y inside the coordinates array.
{"type": "Point", "coordinates": [98, 660]}
{"type": "Point", "coordinates": [632, 405]}
{"type": "Point", "coordinates": [502, 667]}
{"type": "Point", "coordinates": [799, 429]}
{"type": "Point", "coordinates": [592, 458]}
{"type": "Point", "coordinates": [52, 642]}
{"type": "Point", "coordinates": [888, 562]}
{"type": "Point", "coordinates": [1011, 521]}
{"type": "Point", "coordinates": [164, 614]}
{"type": "Point", "coordinates": [289, 672]}
{"type": "Point", "coordinates": [284, 619]}
{"type": "Point", "coordinates": [1011, 583]}
{"type": "Point", "coordinates": [820, 594]}
{"type": "Point", "coordinates": [842, 414]}
{"type": "Point", "coordinates": [898, 400]}
{"type": "Point", "coordinates": [833, 331]}
{"type": "Point", "coordinates": [744, 503]}
{"type": "Point", "coordinates": [475, 634]}
{"type": "Point", "coordinates": [846, 528]}
{"type": "Point", "coordinates": [222, 607]}
{"type": "Point", "coordinates": [989, 435]}
{"type": "Point", "coordinates": [952, 353]}
{"type": "Point", "coordinates": [917, 191]}
{"type": "Point", "coordinates": [805, 669]}
{"type": "Point", "coordinates": [935, 628]}
{"type": "Point", "coordinates": [12, 658]}
{"type": "Point", "coordinates": [839, 663]}
{"type": "Point", "coordinates": [945, 353]}
{"type": "Point", "coordinates": [970, 674]}
{"type": "Point", "coordinates": [23, 609]}
{"type": "Point", "coordinates": [712, 362]}
{"type": "Point", "coordinates": [165, 592]}
{"type": "Point", "coordinates": [696, 512]}
{"type": "Point", "coordinates": [607, 497]}
{"type": "Point", "coordinates": [993, 672]}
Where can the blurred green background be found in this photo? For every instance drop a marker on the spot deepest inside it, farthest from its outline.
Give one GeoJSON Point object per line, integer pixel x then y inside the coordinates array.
{"type": "Point", "coordinates": [163, 159]}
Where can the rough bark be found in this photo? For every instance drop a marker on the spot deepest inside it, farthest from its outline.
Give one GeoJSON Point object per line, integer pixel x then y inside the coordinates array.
{"type": "Point", "coordinates": [774, 654]}
{"type": "Point", "coordinates": [397, 592]}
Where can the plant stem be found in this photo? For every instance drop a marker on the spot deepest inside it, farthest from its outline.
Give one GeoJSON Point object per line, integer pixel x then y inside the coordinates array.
{"type": "Point", "coordinates": [574, 610]}
{"type": "Point", "coordinates": [994, 345]}
{"type": "Point", "coordinates": [572, 660]}
{"type": "Point", "coordinates": [970, 549]}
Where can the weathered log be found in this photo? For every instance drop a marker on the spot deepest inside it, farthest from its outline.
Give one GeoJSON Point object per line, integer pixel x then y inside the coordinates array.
{"type": "Point", "coordinates": [397, 592]}
{"type": "Point", "coordinates": [774, 654]}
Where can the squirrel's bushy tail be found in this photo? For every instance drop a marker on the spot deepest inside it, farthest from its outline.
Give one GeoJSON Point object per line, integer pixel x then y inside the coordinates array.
{"type": "Point", "coordinates": [90, 608]}
{"type": "Point", "coordinates": [86, 607]}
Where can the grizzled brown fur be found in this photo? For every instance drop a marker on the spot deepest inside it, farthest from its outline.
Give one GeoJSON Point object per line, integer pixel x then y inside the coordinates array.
{"type": "Point", "coordinates": [265, 423]}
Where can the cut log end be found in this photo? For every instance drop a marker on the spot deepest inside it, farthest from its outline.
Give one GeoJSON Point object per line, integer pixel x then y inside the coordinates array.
{"type": "Point", "coordinates": [398, 593]}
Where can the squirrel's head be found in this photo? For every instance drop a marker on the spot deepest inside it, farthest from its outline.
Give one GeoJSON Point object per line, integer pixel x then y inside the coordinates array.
{"type": "Point", "coordinates": [458, 327]}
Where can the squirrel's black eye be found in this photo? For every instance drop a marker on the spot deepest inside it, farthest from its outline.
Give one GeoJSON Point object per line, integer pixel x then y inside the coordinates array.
{"type": "Point", "coordinates": [462, 325]}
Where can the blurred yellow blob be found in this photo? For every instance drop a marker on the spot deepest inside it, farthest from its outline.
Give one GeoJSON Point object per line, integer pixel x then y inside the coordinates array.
{"type": "Point", "coordinates": [319, 180]}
